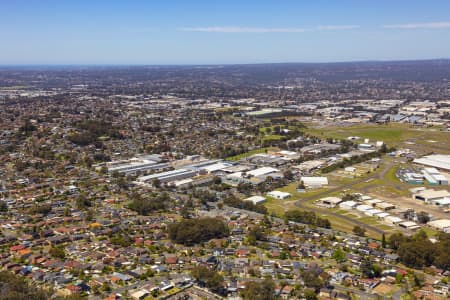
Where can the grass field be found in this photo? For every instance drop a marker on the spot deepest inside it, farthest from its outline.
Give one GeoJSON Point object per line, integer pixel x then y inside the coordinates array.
{"type": "Point", "coordinates": [252, 152]}
{"type": "Point", "coordinates": [422, 140]}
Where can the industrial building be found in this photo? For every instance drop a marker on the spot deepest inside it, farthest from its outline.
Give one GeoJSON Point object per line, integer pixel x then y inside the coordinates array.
{"type": "Point", "coordinates": [329, 202]}
{"type": "Point", "coordinates": [314, 182]}
{"type": "Point", "coordinates": [442, 225]}
{"type": "Point", "coordinates": [279, 195]}
{"type": "Point", "coordinates": [169, 176]}
{"type": "Point", "coordinates": [432, 196]}
{"type": "Point", "coordinates": [137, 165]}
{"type": "Point", "coordinates": [256, 199]}
{"type": "Point", "coordinates": [438, 161]}
{"type": "Point", "coordinates": [434, 177]}
{"type": "Point", "coordinates": [254, 177]}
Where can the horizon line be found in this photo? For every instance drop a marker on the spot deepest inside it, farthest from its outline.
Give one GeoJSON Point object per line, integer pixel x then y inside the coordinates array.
{"type": "Point", "coordinates": [212, 64]}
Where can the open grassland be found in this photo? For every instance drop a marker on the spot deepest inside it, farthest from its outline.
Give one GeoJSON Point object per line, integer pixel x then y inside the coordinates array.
{"type": "Point", "coordinates": [252, 152]}
{"type": "Point", "coordinates": [420, 139]}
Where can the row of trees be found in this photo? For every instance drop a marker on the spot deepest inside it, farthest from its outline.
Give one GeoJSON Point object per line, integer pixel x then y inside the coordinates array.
{"type": "Point", "coordinates": [307, 217]}
{"type": "Point", "coordinates": [346, 162]}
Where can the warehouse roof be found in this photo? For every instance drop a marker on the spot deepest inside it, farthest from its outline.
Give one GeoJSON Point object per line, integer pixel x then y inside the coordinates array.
{"type": "Point", "coordinates": [435, 160]}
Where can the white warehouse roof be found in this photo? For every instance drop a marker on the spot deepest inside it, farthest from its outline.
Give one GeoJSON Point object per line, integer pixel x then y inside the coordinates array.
{"type": "Point", "coordinates": [440, 224]}
{"type": "Point", "coordinates": [314, 180]}
{"type": "Point", "coordinates": [255, 199]}
{"type": "Point", "coordinates": [435, 160]}
{"type": "Point", "coordinates": [262, 171]}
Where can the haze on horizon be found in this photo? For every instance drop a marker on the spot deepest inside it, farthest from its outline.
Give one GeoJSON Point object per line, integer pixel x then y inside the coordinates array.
{"type": "Point", "coordinates": [226, 32]}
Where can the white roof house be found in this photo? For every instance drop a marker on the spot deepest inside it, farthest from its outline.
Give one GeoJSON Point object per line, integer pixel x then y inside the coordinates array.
{"type": "Point", "coordinates": [278, 194]}
{"type": "Point", "coordinates": [256, 199]}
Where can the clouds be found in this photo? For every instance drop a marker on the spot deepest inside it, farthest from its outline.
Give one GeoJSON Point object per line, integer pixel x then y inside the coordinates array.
{"type": "Point", "coordinates": [338, 27]}
{"type": "Point", "coordinates": [235, 29]}
{"type": "Point", "coordinates": [430, 25]}
{"type": "Point", "coordinates": [238, 29]}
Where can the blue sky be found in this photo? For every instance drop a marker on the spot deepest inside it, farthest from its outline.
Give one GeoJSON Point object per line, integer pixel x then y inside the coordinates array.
{"type": "Point", "coordinates": [219, 32]}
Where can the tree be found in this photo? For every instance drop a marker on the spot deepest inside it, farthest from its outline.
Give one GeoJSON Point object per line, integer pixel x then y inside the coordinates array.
{"type": "Point", "coordinates": [193, 231]}
{"type": "Point", "coordinates": [301, 185]}
{"type": "Point", "coordinates": [366, 268]}
{"type": "Point", "coordinates": [312, 280]}
{"type": "Point", "coordinates": [156, 183]}
{"type": "Point", "coordinates": [310, 294]}
{"type": "Point", "coordinates": [259, 290]}
{"type": "Point", "coordinates": [3, 206]}
{"type": "Point", "coordinates": [13, 287]}
{"type": "Point", "coordinates": [423, 217]}
{"type": "Point", "coordinates": [307, 217]}
{"type": "Point", "coordinates": [210, 278]}
{"type": "Point", "coordinates": [57, 252]}
{"type": "Point", "coordinates": [361, 231]}
{"type": "Point", "coordinates": [339, 255]}
{"type": "Point", "coordinates": [383, 241]}
{"type": "Point", "coordinates": [288, 175]}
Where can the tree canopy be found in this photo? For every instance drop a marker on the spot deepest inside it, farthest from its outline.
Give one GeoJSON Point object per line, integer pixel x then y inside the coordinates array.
{"type": "Point", "coordinates": [194, 231]}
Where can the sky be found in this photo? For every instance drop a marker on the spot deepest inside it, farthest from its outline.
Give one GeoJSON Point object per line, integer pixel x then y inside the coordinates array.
{"type": "Point", "coordinates": [221, 32]}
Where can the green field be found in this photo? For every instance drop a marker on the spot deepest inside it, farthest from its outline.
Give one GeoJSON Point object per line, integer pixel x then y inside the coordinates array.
{"type": "Point", "coordinates": [421, 139]}
{"type": "Point", "coordinates": [252, 152]}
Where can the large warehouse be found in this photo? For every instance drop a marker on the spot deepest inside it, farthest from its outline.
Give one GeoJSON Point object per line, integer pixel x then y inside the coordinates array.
{"type": "Point", "coordinates": [438, 161]}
